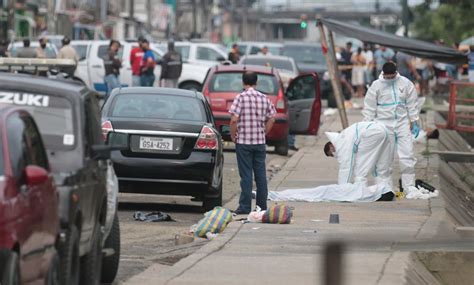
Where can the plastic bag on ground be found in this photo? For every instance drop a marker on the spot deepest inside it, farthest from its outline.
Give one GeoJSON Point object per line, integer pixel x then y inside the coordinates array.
{"type": "Point", "coordinates": [278, 214]}
{"type": "Point", "coordinates": [214, 221]}
{"type": "Point", "coordinates": [256, 216]}
{"type": "Point", "coordinates": [152, 217]}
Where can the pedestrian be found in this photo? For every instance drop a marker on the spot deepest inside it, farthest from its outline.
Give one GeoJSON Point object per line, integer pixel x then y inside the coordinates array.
{"type": "Point", "coordinates": [68, 52]}
{"type": "Point", "coordinates": [252, 118]}
{"type": "Point", "coordinates": [471, 64]}
{"type": "Point", "coordinates": [147, 75]}
{"type": "Point", "coordinates": [136, 56]}
{"type": "Point", "coordinates": [406, 67]}
{"type": "Point", "coordinates": [358, 69]}
{"type": "Point", "coordinates": [264, 51]}
{"type": "Point", "coordinates": [360, 149]}
{"type": "Point", "coordinates": [3, 48]}
{"type": "Point", "coordinates": [346, 57]}
{"type": "Point", "coordinates": [234, 54]}
{"type": "Point", "coordinates": [171, 67]}
{"type": "Point", "coordinates": [26, 51]}
{"type": "Point", "coordinates": [112, 65]}
{"type": "Point", "coordinates": [392, 101]}
{"type": "Point", "coordinates": [381, 56]}
{"type": "Point", "coordinates": [425, 69]}
{"type": "Point", "coordinates": [369, 63]}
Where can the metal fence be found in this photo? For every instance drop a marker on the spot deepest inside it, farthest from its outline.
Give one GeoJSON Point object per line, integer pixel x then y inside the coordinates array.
{"type": "Point", "coordinates": [460, 116]}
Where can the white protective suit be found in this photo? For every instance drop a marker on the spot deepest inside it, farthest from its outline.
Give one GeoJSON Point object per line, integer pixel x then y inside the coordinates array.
{"type": "Point", "coordinates": [361, 149]}
{"type": "Point", "coordinates": [394, 103]}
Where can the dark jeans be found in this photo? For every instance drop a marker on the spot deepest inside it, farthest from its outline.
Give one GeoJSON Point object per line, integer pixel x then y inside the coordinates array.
{"type": "Point", "coordinates": [251, 159]}
{"type": "Point", "coordinates": [147, 80]}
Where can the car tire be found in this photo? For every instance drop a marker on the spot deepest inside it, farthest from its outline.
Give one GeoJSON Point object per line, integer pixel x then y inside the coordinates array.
{"type": "Point", "coordinates": [110, 264]}
{"type": "Point", "coordinates": [53, 272]}
{"type": "Point", "coordinates": [69, 256]}
{"type": "Point", "coordinates": [10, 270]}
{"type": "Point", "coordinates": [91, 263]}
{"type": "Point", "coordinates": [281, 148]}
{"type": "Point", "coordinates": [194, 86]}
{"type": "Point", "coordinates": [210, 203]}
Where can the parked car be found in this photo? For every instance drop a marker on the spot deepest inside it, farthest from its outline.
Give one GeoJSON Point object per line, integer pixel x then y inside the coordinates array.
{"type": "Point", "coordinates": [286, 66]}
{"type": "Point", "coordinates": [298, 112]}
{"type": "Point", "coordinates": [90, 69]}
{"type": "Point", "coordinates": [51, 50]}
{"type": "Point", "coordinates": [309, 58]}
{"type": "Point", "coordinates": [204, 54]}
{"type": "Point", "coordinates": [29, 220]}
{"type": "Point", "coordinates": [253, 48]}
{"type": "Point", "coordinates": [68, 118]}
{"type": "Point", "coordinates": [174, 146]}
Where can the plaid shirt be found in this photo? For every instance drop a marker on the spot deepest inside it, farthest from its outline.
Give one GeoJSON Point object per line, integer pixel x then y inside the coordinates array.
{"type": "Point", "coordinates": [254, 110]}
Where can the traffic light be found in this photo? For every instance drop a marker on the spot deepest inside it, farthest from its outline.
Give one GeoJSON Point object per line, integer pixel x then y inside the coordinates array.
{"type": "Point", "coordinates": [304, 21]}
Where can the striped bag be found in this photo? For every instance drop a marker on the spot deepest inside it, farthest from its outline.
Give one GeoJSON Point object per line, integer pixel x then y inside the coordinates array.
{"type": "Point", "coordinates": [214, 222]}
{"type": "Point", "coordinates": [278, 214]}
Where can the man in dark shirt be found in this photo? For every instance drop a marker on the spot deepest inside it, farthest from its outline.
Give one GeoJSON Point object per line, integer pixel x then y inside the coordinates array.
{"type": "Point", "coordinates": [234, 55]}
{"type": "Point", "coordinates": [346, 55]}
{"type": "Point", "coordinates": [112, 65]}
{"type": "Point", "coordinates": [171, 67]}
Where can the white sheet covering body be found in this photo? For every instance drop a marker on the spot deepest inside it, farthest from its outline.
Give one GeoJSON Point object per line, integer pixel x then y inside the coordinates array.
{"type": "Point", "coordinates": [361, 149]}
{"type": "Point", "coordinates": [357, 192]}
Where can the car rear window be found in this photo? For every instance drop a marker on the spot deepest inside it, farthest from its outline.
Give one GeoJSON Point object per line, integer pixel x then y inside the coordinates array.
{"type": "Point", "coordinates": [281, 64]}
{"type": "Point", "coordinates": [232, 82]}
{"type": "Point", "coordinates": [53, 115]}
{"type": "Point", "coordinates": [158, 106]}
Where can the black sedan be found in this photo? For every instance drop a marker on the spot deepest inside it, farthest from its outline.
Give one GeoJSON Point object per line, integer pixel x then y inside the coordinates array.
{"type": "Point", "coordinates": [173, 145]}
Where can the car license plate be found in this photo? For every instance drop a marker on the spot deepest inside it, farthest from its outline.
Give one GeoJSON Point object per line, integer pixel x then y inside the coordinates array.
{"type": "Point", "coordinates": [153, 143]}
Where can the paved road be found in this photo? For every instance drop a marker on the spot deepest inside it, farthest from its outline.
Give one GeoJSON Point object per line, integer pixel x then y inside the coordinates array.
{"type": "Point", "coordinates": [146, 243]}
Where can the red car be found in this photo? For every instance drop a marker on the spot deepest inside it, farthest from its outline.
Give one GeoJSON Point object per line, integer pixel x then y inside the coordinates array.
{"type": "Point", "coordinates": [298, 110]}
{"type": "Point", "coordinates": [29, 220]}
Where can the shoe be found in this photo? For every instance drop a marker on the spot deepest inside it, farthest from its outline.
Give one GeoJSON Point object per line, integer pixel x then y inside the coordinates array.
{"type": "Point", "coordinates": [293, 148]}
{"type": "Point", "coordinates": [239, 212]}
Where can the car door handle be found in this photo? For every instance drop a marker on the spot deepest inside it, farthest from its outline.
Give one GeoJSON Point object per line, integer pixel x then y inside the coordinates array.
{"type": "Point", "coordinates": [97, 66]}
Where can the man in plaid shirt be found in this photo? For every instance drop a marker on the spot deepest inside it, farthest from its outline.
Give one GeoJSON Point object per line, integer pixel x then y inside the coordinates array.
{"type": "Point", "coordinates": [252, 118]}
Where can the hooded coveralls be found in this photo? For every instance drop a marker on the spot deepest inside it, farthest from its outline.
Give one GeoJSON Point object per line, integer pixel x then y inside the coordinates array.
{"type": "Point", "coordinates": [361, 149]}
{"type": "Point", "coordinates": [393, 102]}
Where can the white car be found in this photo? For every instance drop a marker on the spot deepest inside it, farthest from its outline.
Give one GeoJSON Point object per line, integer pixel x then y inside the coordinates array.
{"type": "Point", "coordinates": [14, 47]}
{"type": "Point", "coordinates": [91, 71]}
{"type": "Point", "coordinates": [250, 48]}
{"type": "Point", "coordinates": [205, 54]}
{"type": "Point", "coordinates": [286, 66]}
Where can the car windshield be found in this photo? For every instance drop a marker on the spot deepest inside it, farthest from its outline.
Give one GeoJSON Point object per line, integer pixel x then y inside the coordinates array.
{"type": "Point", "coordinates": [232, 82]}
{"type": "Point", "coordinates": [280, 64]}
{"type": "Point", "coordinates": [53, 115]}
{"type": "Point", "coordinates": [157, 106]}
{"type": "Point", "coordinates": [275, 50]}
{"type": "Point", "coordinates": [305, 54]}
{"type": "Point", "coordinates": [183, 50]}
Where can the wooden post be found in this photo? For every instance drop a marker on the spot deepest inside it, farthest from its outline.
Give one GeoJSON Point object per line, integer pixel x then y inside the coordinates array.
{"type": "Point", "coordinates": [331, 61]}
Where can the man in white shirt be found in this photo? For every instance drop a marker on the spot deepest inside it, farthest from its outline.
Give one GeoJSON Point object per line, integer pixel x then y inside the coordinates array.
{"type": "Point", "coordinates": [369, 61]}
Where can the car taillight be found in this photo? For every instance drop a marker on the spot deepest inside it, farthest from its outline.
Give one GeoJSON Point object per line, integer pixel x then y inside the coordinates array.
{"type": "Point", "coordinates": [106, 129]}
{"type": "Point", "coordinates": [207, 139]}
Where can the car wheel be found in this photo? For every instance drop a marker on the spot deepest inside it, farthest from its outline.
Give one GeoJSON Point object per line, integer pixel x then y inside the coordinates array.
{"type": "Point", "coordinates": [91, 262]}
{"type": "Point", "coordinates": [10, 269]}
{"type": "Point", "coordinates": [53, 272]}
{"type": "Point", "coordinates": [69, 256]}
{"type": "Point", "coordinates": [281, 148]}
{"type": "Point", "coordinates": [210, 203]}
{"type": "Point", "coordinates": [110, 263]}
{"type": "Point", "coordinates": [194, 86]}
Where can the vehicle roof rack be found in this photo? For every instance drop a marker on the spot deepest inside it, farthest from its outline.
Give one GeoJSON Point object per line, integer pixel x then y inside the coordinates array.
{"type": "Point", "coordinates": [33, 64]}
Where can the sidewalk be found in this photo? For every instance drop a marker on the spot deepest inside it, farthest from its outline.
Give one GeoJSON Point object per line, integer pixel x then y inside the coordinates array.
{"type": "Point", "coordinates": [381, 234]}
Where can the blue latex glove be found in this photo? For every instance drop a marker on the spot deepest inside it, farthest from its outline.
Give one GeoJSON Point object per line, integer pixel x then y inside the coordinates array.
{"type": "Point", "coordinates": [415, 129]}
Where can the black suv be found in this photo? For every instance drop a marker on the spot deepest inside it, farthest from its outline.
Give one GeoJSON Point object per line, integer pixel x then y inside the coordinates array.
{"type": "Point", "coordinates": [68, 117]}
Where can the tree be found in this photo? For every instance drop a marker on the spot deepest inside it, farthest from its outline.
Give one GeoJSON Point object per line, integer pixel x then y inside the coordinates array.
{"type": "Point", "coordinates": [452, 21]}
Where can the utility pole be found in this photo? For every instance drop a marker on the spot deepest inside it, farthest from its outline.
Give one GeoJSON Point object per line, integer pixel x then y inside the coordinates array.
{"type": "Point", "coordinates": [194, 18]}
{"type": "Point", "coordinates": [51, 18]}
{"type": "Point", "coordinates": [11, 17]}
{"type": "Point", "coordinates": [131, 18]}
{"type": "Point", "coordinates": [406, 16]}
{"type": "Point", "coordinates": [148, 13]}
{"type": "Point", "coordinates": [245, 21]}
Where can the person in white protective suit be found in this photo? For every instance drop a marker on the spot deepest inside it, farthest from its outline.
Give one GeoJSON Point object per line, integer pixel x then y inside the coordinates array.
{"type": "Point", "coordinates": [392, 101]}
{"type": "Point", "coordinates": [361, 149]}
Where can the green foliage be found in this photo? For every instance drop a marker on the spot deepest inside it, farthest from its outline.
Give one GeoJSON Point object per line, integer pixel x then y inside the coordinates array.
{"type": "Point", "coordinates": [452, 21]}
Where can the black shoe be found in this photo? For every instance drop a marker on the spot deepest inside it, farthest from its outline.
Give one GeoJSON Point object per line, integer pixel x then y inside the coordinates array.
{"type": "Point", "coordinates": [239, 212]}
{"type": "Point", "coordinates": [293, 148]}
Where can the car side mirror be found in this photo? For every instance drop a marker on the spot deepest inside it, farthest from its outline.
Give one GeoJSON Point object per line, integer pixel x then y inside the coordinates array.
{"type": "Point", "coordinates": [117, 141]}
{"type": "Point", "coordinates": [101, 152]}
{"type": "Point", "coordinates": [35, 175]}
{"type": "Point", "coordinates": [221, 58]}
